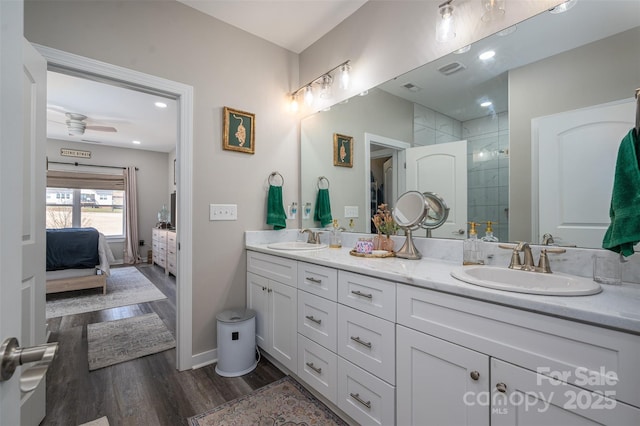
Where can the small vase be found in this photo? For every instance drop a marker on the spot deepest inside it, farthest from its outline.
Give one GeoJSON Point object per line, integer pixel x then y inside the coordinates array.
{"type": "Point", "coordinates": [383, 242]}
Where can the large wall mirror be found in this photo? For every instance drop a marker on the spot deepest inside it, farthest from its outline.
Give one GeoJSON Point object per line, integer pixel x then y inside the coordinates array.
{"type": "Point", "coordinates": [550, 64]}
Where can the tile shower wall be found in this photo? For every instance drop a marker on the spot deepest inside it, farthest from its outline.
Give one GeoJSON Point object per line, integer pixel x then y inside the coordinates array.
{"type": "Point", "coordinates": [487, 161]}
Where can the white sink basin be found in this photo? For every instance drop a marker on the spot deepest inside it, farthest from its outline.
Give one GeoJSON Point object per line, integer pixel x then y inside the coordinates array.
{"type": "Point", "coordinates": [295, 245]}
{"type": "Point", "coordinates": [555, 284]}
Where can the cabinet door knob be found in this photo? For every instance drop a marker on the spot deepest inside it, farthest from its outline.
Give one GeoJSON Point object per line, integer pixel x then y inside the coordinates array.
{"type": "Point", "coordinates": [475, 375]}
{"type": "Point", "coordinates": [501, 387]}
{"type": "Point", "coordinates": [264, 288]}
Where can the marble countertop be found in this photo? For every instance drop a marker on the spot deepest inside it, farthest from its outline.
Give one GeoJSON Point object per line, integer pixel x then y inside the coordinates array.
{"type": "Point", "coordinates": [616, 307]}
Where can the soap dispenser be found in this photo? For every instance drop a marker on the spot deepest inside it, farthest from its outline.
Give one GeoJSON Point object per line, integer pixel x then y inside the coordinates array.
{"type": "Point", "coordinates": [488, 235]}
{"type": "Point", "coordinates": [335, 238]}
{"type": "Point", "coordinates": [472, 253]}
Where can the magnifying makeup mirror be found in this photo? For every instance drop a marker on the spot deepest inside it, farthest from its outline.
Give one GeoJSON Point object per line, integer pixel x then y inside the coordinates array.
{"type": "Point", "coordinates": [436, 215]}
{"type": "Point", "coordinates": [410, 210]}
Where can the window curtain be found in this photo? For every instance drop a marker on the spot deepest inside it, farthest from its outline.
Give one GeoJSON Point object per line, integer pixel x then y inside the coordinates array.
{"type": "Point", "coordinates": [131, 248]}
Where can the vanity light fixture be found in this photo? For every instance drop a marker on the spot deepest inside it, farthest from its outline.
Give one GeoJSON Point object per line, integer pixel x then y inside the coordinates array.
{"type": "Point", "coordinates": [486, 55]}
{"type": "Point", "coordinates": [493, 9]}
{"type": "Point", "coordinates": [325, 81]}
{"type": "Point", "coordinates": [561, 8]}
{"type": "Point", "coordinates": [445, 26]}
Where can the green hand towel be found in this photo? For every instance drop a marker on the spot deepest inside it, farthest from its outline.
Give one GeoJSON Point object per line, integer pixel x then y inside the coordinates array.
{"type": "Point", "coordinates": [275, 210]}
{"type": "Point", "coordinates": [322, 213]}
{"type": "Point", "coordinates": [624, 230]}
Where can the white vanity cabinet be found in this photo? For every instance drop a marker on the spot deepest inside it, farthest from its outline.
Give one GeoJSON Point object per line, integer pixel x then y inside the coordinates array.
{"type": "Point", "coordinates": [443, 339]}
{"type": "Point", "coordinates": [272, 293]}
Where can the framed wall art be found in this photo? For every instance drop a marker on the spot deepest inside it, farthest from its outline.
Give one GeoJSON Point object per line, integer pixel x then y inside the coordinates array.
{"type": "Point", "coordinates": [342, 150]}
{"type": "Point", "coordinates": [238, 130]}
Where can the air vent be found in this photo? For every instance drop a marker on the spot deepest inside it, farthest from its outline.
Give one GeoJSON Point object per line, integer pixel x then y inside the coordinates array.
{"type": "Point", "coordinates": [451, 68]}
{"type": "Point", "coordinates": [412, 87]}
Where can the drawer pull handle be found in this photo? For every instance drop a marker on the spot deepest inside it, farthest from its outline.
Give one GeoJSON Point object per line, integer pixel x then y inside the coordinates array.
{"type": "Point", "coordinates": [311, 318]}
{"type": "Point", "coordinates": [475, 375]}
{"type": "Point", "coordinates": [501, 387]}
{"type": "Point", "coordinates": [314, 280]}
{"type": "Point", "coordinates": [314, 368]}
{"type": "Point", "coordinates": [359, 293]}
{"type": "Point", "coordinates": [362, 342]}
{"type": "Point", "coordinates": [356, 396]}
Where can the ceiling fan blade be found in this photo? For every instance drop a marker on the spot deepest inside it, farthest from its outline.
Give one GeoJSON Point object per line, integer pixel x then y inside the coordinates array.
{"type": "Point", "coordinates": [102, 128]}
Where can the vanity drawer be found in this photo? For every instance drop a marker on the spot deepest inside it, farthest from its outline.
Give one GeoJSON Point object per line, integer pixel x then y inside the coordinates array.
{"type": "Point", "coordinates": [171, 238]}
{"type": "Point", "coordinates": [364, 397]}
{"type": "Point", "coordinates": [318, 367]}
{"type": "Point", "coordinates": [276, 268]}
{"type": "Point", "coordinates": [585, 355]}
{"type": "Point", "coordinates": [368, 342]}
{"type": "Point", "coordinates": [317, 319]}
{"type": "Point", "coordinates": [371, 295]}
{"type": "Point", "coordinates": [319, 280]}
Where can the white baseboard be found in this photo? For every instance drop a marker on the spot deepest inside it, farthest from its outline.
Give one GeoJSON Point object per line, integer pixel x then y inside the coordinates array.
{"type": "Point", "coordinates": [204, 358]}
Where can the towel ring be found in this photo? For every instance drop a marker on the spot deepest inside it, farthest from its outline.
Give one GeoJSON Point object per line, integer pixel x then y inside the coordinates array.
{"type": "Point", "coordinates": [320, 180]}
{"type": "Point", "coordinates": [273, 175]}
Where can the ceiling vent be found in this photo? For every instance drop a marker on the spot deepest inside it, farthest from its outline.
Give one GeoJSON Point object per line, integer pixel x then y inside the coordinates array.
{"type": "Point", "coordinates": [451, 68]}
{"type": "Point", "coordinates": [412, 87]}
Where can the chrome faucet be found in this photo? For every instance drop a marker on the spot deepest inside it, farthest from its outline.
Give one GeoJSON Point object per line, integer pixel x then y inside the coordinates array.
{"type": "Point", "coordinates": [314, 236]}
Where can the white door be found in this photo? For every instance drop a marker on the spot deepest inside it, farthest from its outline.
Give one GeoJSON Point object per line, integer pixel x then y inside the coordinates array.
{"type": "Point", "coordinates": [22, 245]}
{"type": "Point", "coordinates": [389, 184]}
{"type": "Point", "coordinates": [33, 221]}
{"type": "Point", "coordinates": [442, 168]}
{"type": "Point", "coordinates": [576, 161]}
{"type": "Point", "coordinates": [439, 381]}
{"type": "Point", "coordinates": [283, 304]}
{"type": "Point", "coordinates": [258, 300]}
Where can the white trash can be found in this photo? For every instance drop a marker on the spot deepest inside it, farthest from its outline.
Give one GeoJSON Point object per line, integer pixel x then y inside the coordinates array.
{"type": "Point", "coordinates": [236, 342]}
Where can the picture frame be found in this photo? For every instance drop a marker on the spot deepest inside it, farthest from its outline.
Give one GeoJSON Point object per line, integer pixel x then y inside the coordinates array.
{"type": "Point", "coordinates": [342, 150]}
{"type": "Point", "coordinates": [238, 130]}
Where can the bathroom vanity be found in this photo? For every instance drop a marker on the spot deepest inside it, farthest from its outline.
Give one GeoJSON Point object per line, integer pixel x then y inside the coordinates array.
{"type": "Point", "coordinates": [395, 341]}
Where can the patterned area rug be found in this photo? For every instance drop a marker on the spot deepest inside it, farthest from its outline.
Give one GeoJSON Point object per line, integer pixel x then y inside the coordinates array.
{"type": "Point", "coordinates": [125, 286]}
{"type": "Point", "coordinates": [113, 342]}
{"type": "Point", "coordinates": [284, 402]}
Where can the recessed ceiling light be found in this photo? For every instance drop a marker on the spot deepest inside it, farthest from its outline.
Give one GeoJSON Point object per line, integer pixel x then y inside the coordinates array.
{"type": "Point", "coordinates": [136, 142]}
{"type": "Point", "coordinates": [160, 104]}
{"type": "Point", "coordinates": [507, 31]}
{"type": "Point", "coordinates": [486, 104]}
{"type": "Point", "coordinates": [487, 55]}
{"type": "Point", "coordinates": [561, 8]}
{"type": "Point", "coordinates": [464, 49]}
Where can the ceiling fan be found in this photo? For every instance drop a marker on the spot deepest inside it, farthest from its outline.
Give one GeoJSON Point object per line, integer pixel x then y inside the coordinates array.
{"type": "Point", "coordinates": [76, 125]}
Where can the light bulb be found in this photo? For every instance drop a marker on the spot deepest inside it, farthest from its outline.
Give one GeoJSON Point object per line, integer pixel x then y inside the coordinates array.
{"type": "Point", "coordinates": [494, 9]}
{"type": "Point", "coordinates": [445, 27]}
{"type": "Point", "coordinates": [308, 95]}
{"type": "Point", "coordinates": [325, 86]}
{"type": "Point", "coordinates": [345, 77]}
{"type": "Point", "coordinates": [293, 105]}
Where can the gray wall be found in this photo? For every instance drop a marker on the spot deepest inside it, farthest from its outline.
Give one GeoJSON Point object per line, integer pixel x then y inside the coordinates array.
{"type": "Point", "coordinates": [153, 191]}
{"type": "Point", "coordinates": [606, 71]}
{"type": "Point", "coordinates": [226, 67]}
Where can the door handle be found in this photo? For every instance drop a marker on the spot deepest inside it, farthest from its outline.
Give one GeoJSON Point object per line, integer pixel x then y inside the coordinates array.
{"type": "Point", "coordinates": [12, 356]}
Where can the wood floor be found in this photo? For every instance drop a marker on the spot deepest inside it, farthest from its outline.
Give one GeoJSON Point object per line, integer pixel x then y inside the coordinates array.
{"type": "Point", "coordinates": [144, 391]}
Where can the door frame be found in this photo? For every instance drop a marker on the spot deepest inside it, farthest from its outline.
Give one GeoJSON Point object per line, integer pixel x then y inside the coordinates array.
{"type": "Point", "coordinates": [184, 154]}
{"type": "Point", "coordinates": [394, 145]}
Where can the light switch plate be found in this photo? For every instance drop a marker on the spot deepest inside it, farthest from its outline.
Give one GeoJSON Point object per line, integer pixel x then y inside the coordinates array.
{"type": "Point", "coordinates": [223, 212]}
{"type": "Point", "coordinates": [350, 211]}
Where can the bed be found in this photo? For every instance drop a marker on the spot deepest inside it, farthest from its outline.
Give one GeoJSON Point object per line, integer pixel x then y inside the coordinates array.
{"type": "Point", "coordinates": [77, 259]}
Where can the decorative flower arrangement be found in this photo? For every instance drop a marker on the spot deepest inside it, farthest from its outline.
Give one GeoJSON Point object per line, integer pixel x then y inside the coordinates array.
{"type": "Point", "coordinates": [384, 222]}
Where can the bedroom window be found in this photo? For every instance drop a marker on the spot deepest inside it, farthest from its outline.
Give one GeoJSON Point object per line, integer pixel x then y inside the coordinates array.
{"type": "Point", "coordinates": [80, 200]}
